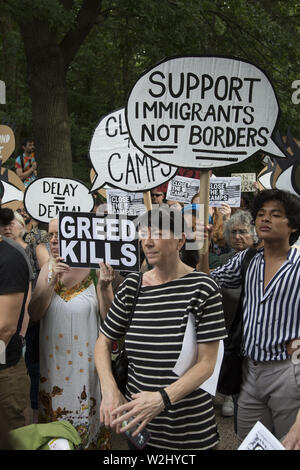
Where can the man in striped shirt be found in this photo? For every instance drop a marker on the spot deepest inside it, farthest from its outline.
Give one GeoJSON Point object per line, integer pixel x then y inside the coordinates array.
{"type": "Point", "coordinates": [270, 391]}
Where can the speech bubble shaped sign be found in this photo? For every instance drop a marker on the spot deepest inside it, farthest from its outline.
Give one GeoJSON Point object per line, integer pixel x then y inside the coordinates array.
{"type": "Point", "coordinates": [118, 163]}
{"type": "Point", "coordinates": [7, 142]}
{"type": "Point", "coordinates": [45, 197]}
{"type": "Point", "coordinates": [203, 112]}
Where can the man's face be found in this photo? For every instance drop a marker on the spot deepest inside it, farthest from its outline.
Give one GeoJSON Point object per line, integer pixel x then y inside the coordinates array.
{"type": "Point", "coordinates": [21, 210]}
{"type": "Point", "coordinates": [157, 197]}
{"type": "Point", "coordinates": [28, 148]}
{"type": "Point", "coordinates": [271, 222]}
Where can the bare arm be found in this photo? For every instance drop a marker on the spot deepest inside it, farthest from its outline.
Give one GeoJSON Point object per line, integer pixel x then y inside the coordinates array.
{"type": "Point", "coordinates": [111, 395]}
{"type": "Point", "coordinates": [104, 289]}
{"type": "Point", "coordinates": [43, 291]}
{"type": "Point", "coordinates": [11, 305]}
{"type": "Point", "coordinates": [24, 174]}
{"type": "Point", "coordinates": [26, 315]}
{"type": "Point", "coordinates": [42, 254]}
{"type": "Point", "coordinates": [292, 439]}
{"type": "Point", "coordinates": [146, 405]}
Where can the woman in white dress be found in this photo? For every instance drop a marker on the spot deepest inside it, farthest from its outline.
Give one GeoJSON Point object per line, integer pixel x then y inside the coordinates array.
{"type": "Point", "coordinates": [66, 303]}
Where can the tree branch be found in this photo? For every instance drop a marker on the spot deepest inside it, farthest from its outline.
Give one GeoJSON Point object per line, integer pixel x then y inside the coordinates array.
{"type": "Point", "coordinates": [86, 19]}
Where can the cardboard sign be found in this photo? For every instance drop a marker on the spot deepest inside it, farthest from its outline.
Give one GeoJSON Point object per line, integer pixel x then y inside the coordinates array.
{"type": "Point", "coordinates": [7, 142]}
{"type": "Point", "coordinates": [45, 197]}
{"type": "Point", "coordinates": [121, 202]}
{"type": "Point", "coordinates": [11, 189]}
{"type": "Point", "coordinates": [203, 112]}
{"type": "Point", "coordinates": [87, 239]}
{"type": "Point", "coordinates": [119, 163]}
{"type": "Point", "coordinates": [225, 189]}
{"type": "Point", "coordinates": [247, 180]}
{"type": "Point", "coordinates": [182, 189]}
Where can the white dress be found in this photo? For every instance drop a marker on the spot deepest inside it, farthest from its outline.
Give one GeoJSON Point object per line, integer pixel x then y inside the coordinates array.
{"type": "Point", "coordinates": [69, 384]}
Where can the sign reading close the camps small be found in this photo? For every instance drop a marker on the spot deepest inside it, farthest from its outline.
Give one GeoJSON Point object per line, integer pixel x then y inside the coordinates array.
{"type": "Point", "coordinates": [87, 239]}
{"type": "Point", "coordinates": [182, 189]}
{"type": "Point", "coordinates": [121, 202]}
{"type": "Point", "coordinates": [225, 189]}
{"type": "Point", "coordinates": [203, 112]}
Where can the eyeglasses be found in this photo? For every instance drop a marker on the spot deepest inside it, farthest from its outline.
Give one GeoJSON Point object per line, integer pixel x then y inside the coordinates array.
{"type": "Point", "coordinates": [239, 232]}
{"type": "Point", "coordinates": [156, 195]}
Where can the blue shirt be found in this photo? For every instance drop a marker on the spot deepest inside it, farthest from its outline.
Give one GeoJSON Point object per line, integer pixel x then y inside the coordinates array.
{"type": "Point", "coordinates": [271, 317]}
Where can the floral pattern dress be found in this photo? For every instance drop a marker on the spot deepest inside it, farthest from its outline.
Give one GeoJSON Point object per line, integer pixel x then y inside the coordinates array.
{"type": "Point", "coordinates": [69, 384]}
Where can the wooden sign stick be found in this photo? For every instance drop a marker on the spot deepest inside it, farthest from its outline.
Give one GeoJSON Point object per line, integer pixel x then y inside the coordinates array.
{"type": "Point", "coordinates": [204, 199]}
{"type": "Point", "coordinates": [147, 200]}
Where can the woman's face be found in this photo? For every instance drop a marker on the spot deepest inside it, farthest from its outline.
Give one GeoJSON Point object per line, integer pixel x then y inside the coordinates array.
{"type": "Point", "coordinates": [240, 237]}
{"type": "Point", "coordinates": [12, 230]}
{"type": "Point", "coordinates": [160, 247]}
{"type": "Point", "coordinates": [53, 238]}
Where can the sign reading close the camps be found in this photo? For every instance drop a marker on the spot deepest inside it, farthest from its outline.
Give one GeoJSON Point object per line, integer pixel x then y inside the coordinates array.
{"type": "Point", "coordinates": [87, 239]}
{"type": "Point", "coordinates": [119, 163]}
{"type": "Point", "coordinates": [121, 202]}
{"type": "Point", "coordinates": [248, 179]}
{"type": "Point", "coordinates": [182, 189]}
{"type": "Point", "coordinates": [45, 197]}
{"type": "Point", "coordinates": [225, 189]}
{"type": "Point", "coordinates": [203, 112]}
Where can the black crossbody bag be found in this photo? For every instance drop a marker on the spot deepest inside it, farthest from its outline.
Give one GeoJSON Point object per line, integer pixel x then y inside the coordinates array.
{"type": "Point", "coordinates": [119, 365]}
{"type": "Point", "coordinates": [230, 377]}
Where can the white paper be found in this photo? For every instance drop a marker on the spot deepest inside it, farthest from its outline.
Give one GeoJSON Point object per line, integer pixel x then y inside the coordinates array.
{"type": "Point", "coordinates": [182, 189]}
{"type": "Point", "coordinates": [260, 438]}
{"type": "Point", "coordinates": [122, 202]}
{"type": "Point", "coordinates": [225, 189]}
{"type": "Point", "coordinates": [188, 357]}
{"type": "Point", "coordinates": [59, 444]}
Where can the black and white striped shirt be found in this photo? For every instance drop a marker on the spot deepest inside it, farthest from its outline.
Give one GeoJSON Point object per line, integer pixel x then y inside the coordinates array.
{"type": "Point", "coordinates": [272, 316]}
{"type": "Point", "coordinates": [153, 344]}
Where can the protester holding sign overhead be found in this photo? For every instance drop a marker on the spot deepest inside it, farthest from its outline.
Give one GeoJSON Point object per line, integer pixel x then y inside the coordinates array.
{"type": "Point", "coordinates": [177, 413]}
{"type": "Point", "coordinates": [66, 304]}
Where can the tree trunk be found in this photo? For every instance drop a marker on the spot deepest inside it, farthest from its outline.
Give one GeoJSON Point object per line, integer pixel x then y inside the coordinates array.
{"type": "Point", "coordinates": [47, 82]}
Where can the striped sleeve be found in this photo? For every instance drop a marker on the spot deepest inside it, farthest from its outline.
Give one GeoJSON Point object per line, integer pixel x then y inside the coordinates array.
{"type": "Point", "coordinates": [210, 317]}
{"type": "Point", "coordinates": [115, 324]}
{"type": "Point", "coordinates": [229, 275]}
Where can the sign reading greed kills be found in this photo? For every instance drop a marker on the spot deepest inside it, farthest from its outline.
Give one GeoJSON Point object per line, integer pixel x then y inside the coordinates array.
{"type": "Point", "coordinates": [45, 197]}
{"type": "Point", "coordinates": [203, 112]}
{"type": "Point", "coordinates": [225, 189]}
{"type": "Point", "coordinates": [119, 163]}
{"type": "Point", "coordinates": [121, 202]}
{"type": "Point", "coordinates": [87, 239]}
{"type": "Point", "coordinates": [182, 189]}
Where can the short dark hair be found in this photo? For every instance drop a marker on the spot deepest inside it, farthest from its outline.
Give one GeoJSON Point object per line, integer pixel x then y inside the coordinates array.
{"type": "Point", "coordinates": [6, 216]}
{"type": "Point", "coordinates": [163, 217]}
{"type": "Point", "coordinates": [290, 202]}
{"type": "Point", "coordinates": [25, 141]}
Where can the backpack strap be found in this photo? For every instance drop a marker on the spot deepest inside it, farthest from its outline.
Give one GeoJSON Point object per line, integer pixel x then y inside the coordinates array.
{"type": "Point", "coordinates": [135, 299]}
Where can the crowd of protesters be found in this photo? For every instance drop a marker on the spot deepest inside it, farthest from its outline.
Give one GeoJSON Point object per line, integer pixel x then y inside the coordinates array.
{"type": "Point", "coordinates": [61, 325]}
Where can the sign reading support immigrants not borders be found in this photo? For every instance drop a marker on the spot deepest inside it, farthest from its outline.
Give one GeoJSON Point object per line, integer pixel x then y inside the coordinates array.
{"type": "Point", "coordinates": [86, 239]}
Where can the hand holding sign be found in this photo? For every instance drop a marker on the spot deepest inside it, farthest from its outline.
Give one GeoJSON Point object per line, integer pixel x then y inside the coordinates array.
{"type": "Point", "coordinates": [203, 112]}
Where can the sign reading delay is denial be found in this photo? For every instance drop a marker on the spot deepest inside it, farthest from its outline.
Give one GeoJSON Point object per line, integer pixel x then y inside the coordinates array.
{"type": "Point", "coordinates": [87, 239]}
{"type": "Point", "coordinates": [203, 112]}
{"type": "Point", "coordinates": [119, 163]}
{"type": "Point", "coordinates": [45, 197]}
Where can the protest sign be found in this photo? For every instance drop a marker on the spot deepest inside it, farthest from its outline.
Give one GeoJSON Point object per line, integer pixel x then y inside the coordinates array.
{"type": "Point", "coordinates": [121, 202]}
{"type": "Point", "coordinates": [260, 438]}
{"type": "Point", "coordinates": [182, 189]}
{"type": "Point", "coordinates": [45, 197]}
{"type": "Point", "coordinates": [7, 142]}
{"type": "Point", "coordinates": [203, 112]}
{"type": "Point", "coordinates": [87, 239]}
{"type": "Point", "coordinates": [119, 163]}
{"type": "Point", "coordinates": [247, 180]}
{"type": "Point", "coordinates": [11, 189]}
{"type": "Point", "coordinates": [225, 189]}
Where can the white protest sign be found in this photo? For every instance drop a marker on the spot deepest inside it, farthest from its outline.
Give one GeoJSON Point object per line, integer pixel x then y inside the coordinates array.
{"type": "Point", "coordinates": [10, 193]}
{"type": "Point", "coordinates": [260, 438]}
{"type": "Point", "coordinates": [87, 239]}
{"type": "Point", "coordinates": [247, 180]}
{"type": "Point", "coordinates": [203, 112]}
{"type": "Point", "coordinates": [225, 189]}
{"type": "Point", "coordinates": [121, 202]}
{"type": "Point", "coordinates": [119, 163]}
{"type": "Point", "coordinates": [182, 189]}
{"type": "Point", "coordinates": [45, 197]}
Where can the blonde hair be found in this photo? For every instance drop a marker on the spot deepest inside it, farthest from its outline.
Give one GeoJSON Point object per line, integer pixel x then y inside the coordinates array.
{"type": "Point", "coordinates": [21, 221]}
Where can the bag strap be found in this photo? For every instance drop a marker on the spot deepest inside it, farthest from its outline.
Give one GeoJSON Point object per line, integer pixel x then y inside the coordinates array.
{"type": "Point", "coordinates": [135, 299]}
